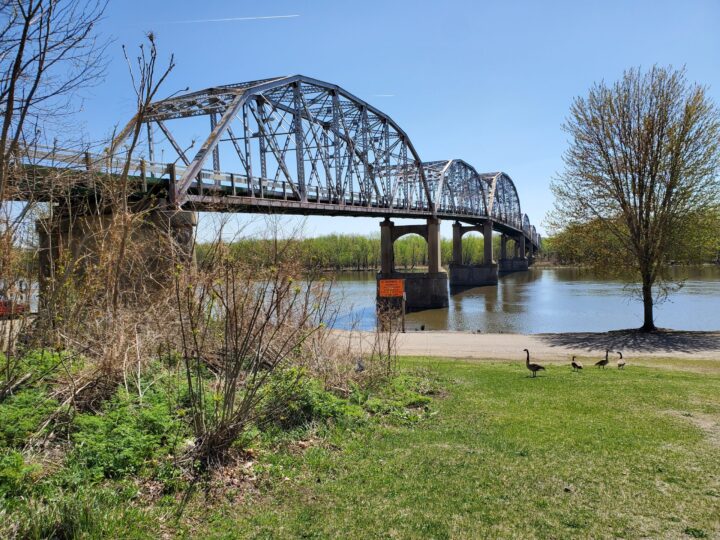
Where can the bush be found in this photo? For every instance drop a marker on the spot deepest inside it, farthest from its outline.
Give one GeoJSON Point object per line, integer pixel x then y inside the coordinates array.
{"type": "Point", "coordinates": [22, 414]}
{"type": "Point", "coordinates": [15, 474]}
{"type": "Point", "coordinates": [42, 362]}
{"type": "Point", "coordinates": [292, 399]}
{"type": "Point", "coordinates": [402, 398]}
{"type": "Point", "coordinates": [128, 435]}
{"type": "Point", "coordinates": [39, 364]}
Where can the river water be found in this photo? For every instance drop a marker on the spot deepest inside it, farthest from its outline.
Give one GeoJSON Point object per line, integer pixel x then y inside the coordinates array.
{"type": "Point", "coordinates": [546, 300]}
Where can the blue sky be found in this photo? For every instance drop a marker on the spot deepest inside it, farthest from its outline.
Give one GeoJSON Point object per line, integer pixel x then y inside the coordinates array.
{"type": "Point", "coordinates": [488, 82]}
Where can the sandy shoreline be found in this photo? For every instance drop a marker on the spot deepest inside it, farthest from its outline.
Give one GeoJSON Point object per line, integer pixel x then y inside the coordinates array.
{"type": "Point", "coordinates": [558, 347]}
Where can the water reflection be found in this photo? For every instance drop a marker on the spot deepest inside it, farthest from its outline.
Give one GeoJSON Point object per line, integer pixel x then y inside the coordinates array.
{"type": "Point", "coordinates": [547, 300]}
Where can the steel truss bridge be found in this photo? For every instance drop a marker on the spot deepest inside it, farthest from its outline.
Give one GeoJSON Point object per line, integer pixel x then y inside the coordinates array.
{"type": "Point", "coordinates": [297, 145]}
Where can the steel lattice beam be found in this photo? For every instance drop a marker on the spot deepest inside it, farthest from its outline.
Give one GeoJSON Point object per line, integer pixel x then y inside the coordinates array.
{"type": "Point", "coordinates": [304, 142]}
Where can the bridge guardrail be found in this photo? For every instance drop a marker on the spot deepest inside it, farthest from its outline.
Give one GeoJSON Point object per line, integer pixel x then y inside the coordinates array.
{"type": "Point", "coordinates": [209, 181]}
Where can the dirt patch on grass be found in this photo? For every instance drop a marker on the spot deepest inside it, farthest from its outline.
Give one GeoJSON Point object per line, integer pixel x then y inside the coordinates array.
{"type": "Point", "coordinates": [707, 423]}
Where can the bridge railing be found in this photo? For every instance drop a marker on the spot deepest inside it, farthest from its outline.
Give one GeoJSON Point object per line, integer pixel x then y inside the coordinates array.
{"type": "Point", "coordinates": [44, 156]}
{"type": "Point", "coordinates": [221, 184]}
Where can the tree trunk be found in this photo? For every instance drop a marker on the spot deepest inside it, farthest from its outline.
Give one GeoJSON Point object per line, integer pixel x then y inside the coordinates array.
{"type": "Point", "coordinates": [648, 322]}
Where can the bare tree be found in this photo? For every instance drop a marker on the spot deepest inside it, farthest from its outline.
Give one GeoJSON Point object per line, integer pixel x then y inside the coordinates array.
{"type": "Point", "coordinates": [643, 159]}
{"type": "Point", "coordinates": [146, 82]}
{"type": "Point", "coordinates": [48, 51]}
{"type": "Point", "coordinates": [242, 323]}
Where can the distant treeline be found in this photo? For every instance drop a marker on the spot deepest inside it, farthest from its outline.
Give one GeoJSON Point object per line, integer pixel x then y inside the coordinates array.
{"type": "Point", "coordinates": [697, 242]}
{"type": "Point", "coordinates": [355, 252]}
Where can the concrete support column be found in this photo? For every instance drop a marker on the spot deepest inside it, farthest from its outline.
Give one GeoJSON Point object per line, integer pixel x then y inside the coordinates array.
{"type": "Point", "coordinates": [463, 276]}
{"type": "Point", "coordinates": [422, 290]}
{"type": "Point", "coordinates": [519, 261]}
{"type": "Point", "coordinates": [158, 241]}
{"type": "Point", "coordinates": [487, 243]}
{"type": "Point", "coordinates": [457, 243]}
{"type": "Point", "coordinates": [387, 255]}
{"type": "Point", "coordinates": [433, 241]}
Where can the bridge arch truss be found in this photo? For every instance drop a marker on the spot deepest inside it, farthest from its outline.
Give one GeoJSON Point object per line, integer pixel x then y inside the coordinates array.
{"type": "Point", "coordinates": [315, 147]}
{"type": "Point", "coordinates": [313, 138]}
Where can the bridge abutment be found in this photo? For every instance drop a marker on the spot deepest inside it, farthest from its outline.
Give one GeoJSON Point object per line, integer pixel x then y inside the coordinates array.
{"type": "Point", "coordinates": [423, 290]}
{"type": "Point", "coordinates": [155, 241]}
{"type": "Point", "coordinates": [464, 276]}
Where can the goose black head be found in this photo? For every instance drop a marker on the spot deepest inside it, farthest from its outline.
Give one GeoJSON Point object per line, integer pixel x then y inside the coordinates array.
{"type": "Point", "coordinates": [620, 354]}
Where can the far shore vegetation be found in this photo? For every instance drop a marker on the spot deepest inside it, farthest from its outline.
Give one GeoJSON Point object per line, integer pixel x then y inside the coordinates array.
{"type": "Point", "coordinates": [577, 245]}
{"type": "Point", "coordinates": [358, 252]}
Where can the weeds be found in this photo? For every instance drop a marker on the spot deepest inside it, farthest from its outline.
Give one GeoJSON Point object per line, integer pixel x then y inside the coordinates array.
{"type": "Point", "coordinates": [89, 481]}
{"type": "Point", "coordinates": [140, 366]}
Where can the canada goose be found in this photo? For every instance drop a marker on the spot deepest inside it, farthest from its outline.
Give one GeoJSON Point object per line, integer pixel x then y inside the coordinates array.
{"type": "Point", "coordinates": [577, 366]}
{"type": "Point", "coordinates": [621, 362]}
{"type": "Point", "coordinates": [603, 363]}
{"type": "Point", "coordinates": [534, 368]}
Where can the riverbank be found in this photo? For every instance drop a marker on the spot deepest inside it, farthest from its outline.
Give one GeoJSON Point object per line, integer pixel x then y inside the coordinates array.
{"type": "Point", "coordinates": [557, 347]}
{"type": "Point", "coordinates": [600, 454]}
{"type": "Point", "coordinates": [448, 448]}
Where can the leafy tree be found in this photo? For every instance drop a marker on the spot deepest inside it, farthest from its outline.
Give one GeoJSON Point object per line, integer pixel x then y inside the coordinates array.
{"type": "Point", "coordinates": [642, 164]}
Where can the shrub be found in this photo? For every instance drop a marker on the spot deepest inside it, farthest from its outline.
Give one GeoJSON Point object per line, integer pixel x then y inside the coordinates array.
{"type": "Point", "coordinates": [128, 435]}
{"type": "Point", "coordinates": [15, 474]}
{"type": "Point", "coordinates": [401, 398]}
{"type": "Point", "coordinates": [22, 414]}
{"type": "Point", "coordinates": [42, 362]}
{"type": "Point", "coordinates": [39, 364]}
{"type": "Point", "coordinates": [292, 399]}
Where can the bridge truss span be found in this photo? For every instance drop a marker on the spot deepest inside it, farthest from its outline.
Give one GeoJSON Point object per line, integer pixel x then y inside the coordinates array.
{"type": "Point", "coordinates": [457, 188]}
{"type": "Point", "coordinates": [313, 139]}
{"type": "Point", "coordinates": [504, 200]}
{"type": "Point", "coordinates": [300, 145]}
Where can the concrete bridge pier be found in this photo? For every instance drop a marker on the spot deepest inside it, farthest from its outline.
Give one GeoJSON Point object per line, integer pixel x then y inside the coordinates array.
{"type": "Point", "coordinates": [531, 255]}
{"type": "Point", "coordinates": [463, 276]}
{"type": "Point", "coordinates": [157, 241]}
{"type": "Point", "coordinates": [427, 290]}
{"type": "Point", "coordinates": [505, 265]}
{"type": "Point", "coordinates": [519, 261]}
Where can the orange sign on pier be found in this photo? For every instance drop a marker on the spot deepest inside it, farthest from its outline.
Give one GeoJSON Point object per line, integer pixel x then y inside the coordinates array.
{"type": "Point", "coordinates": [391, 288]}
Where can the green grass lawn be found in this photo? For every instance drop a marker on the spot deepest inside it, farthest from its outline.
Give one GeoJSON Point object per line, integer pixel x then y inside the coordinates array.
{"type": "Point", "coordinates": [597, 454]}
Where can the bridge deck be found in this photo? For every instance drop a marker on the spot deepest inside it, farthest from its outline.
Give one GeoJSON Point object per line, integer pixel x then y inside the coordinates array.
{"type": "Point", "coordinates": [300, 146]}
{"type": "Point", "coordinates": [227, 192]}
